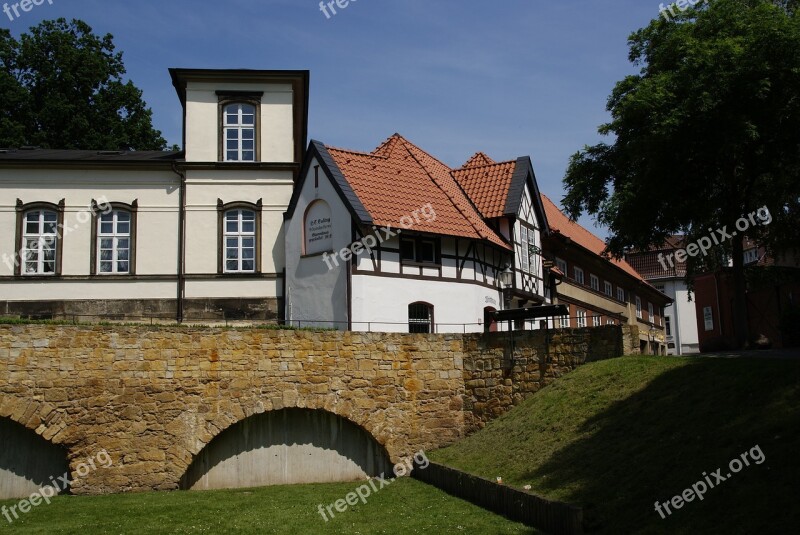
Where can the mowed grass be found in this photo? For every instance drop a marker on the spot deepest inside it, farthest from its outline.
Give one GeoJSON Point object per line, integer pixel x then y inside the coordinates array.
{"type": "Point", "coordinates": [405, 506]}
{"type": "Point", "coordinates": [615, 436]}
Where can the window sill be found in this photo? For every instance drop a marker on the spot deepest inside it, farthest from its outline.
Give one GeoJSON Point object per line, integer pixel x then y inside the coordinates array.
{"type": "Point", "coordinates": [421, 264]}
{"type": "Point", "coordinates": [314, 255]}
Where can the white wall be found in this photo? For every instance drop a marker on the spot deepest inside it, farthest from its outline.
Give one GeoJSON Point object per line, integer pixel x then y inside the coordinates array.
{"type": "Point", "coordinates": [683, 318]}
{"type": "Point", "coordinates": [202, 121]}
{"type": "Point", "coordinates": [313, 291]}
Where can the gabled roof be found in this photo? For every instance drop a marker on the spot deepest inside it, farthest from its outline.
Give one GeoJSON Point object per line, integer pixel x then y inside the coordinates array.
{"type": "Point", "coordinates": [561, 224]}
{"type": "Point", "coordinates": [398, 178]}
{"type": "Point", "coordinates": [478, 159]}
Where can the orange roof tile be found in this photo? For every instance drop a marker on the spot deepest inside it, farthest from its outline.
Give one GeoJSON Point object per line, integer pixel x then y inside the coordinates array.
{"type": "Point", "coordinates": [560, 223]}
{"type": "Point", "coordinates": [479, 158]}
{"type": "Point", "coordinates": [399, 178]}
{"type": "Point", "coordinates": [487, 185]}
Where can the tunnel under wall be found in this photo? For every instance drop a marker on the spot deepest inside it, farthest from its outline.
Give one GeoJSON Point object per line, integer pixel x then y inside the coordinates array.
{"type": "Point", "coordinates": [27, 461]}
{"type": "Point", "coordinates": [289, 446]}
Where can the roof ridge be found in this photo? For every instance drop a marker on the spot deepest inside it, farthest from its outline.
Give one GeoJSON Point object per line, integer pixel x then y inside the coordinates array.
{"type": "Point", "coordinates": [449, 197]}
{"type": "Point", "coordinates": [495, 164]}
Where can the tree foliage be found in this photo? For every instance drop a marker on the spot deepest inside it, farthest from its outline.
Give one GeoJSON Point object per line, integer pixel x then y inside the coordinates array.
{"type": "Point", "coordinates": [62, 88]}
{"type": "Point", "coordinates": [707, 132]}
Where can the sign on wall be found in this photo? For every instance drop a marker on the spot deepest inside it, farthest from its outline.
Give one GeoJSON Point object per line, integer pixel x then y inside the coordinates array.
{"type": "Point", "coordinates": [318, 228]}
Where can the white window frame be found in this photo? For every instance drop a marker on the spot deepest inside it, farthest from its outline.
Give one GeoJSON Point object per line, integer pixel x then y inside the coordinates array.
{"type": "Point", "coordinates": [581, 318]}
{"type": "Point", "coordinates": [610, 321]}
{"type": "Point", "coordinates": [525, 260]}
{"type": "Point", "coordinates": [668, 325]}
{"type": "Point", "coordinates": [650, 312]}
{"type": "Point", "coordinates": [241, 236]}
{"type": "Point", "coordinates": [594, 282]}
{"type": "Point", "coordinates": [750, 256]}
{"type": "Point", "coordinates": [240, 129]}
{"type": "Point", "coordinates": [621, 294]}
{"type": "Point", "coordinates": [115, 236]}
{"type": "Point", "coordinates": [562, 266]}
{"type": "Point", "coordinates": [579, 276]}
{"type": "Point", "coordinates": [597, 320]}
{"type": "Point", "coordinates": [44, 242]}
{"type": "Point", "coordinates": [564, 322]}
{"type": "Point", "coordinates": [638, 307]}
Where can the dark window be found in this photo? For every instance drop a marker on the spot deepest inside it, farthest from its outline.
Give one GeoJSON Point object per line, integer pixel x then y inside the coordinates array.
{"type": "Point", "coordinates": [420, 318]}
{"type": "Point", "coordinates": [419, 251]}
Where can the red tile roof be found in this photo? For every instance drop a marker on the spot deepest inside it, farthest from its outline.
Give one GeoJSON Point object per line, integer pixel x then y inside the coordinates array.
{"type": "Point", "coordinates": [560, 223]}
{"type": "Point", "coordinates": [478, 159]}
{"type": "Point", "coordinates": [399, 178]}
{"type": "Point", "coordinates": [487, 185]}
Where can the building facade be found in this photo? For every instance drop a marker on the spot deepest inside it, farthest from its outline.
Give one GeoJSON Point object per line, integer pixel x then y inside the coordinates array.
{"type": "Point", "coordinates": [188, 235]}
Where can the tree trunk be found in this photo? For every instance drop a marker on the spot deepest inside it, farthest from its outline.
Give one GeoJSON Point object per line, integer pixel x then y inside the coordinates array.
{"type": "Point", "coordinates": [739, 294]}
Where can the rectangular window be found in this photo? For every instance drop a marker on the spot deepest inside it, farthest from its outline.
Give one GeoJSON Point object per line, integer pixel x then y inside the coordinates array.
{"type": "Point", "coordinates": [596, 321]}
{"type": "Point", "coordinates": [239, 129]}
{"type": "Point", "coordinates": [621, 295]}
{"type": "Point", "coordinates": [609, 321]}
{"type": "Point", "coordinates": [581, 318]}
{"type": "Point", "coordinates": [708, 318]}
{"type": "Point", "coordinates": [638, 307]}
{"type": "Point", "coordinates": [240, 241]}
{"type": "Point", "coordinates": [564, 322]}
{"type": "Point", "coordinates": [668, 326]}
{"type": "Point", "coordinates": [594, 281]}
{"type": "Point", "coordinates": [40, 242]}
{"type": "Point", "coordinates": [418, 250]}
{"type": "Point", "coordinates": [609, 289]}
{"type": "Point", "coordinates": [562, 266]}
{"type": "Point", "coordinates": [114, 243]}
{"type": "Point", "coordinates": [525, 252]}
{"type": "Point", "coordinates": [750, 256]}
{"type": "Point", "coordinates": [420, 318]}
{"type": "Point", "coordinates": [650, 316]}
{"type": "Point", "coordinates": [579, 275]}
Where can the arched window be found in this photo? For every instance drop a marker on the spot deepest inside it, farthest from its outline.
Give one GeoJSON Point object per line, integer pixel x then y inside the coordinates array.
{"type": "Point", "coordinates": [39, 238]}
{"type": "Point", "coordinates": [239, 132]}
{"type": "Point", "coordinates": [420, 318]}
{"type": "Point", "coordinates": [317, 228]}
{"type": "Point", "coordinates": [40, 242]}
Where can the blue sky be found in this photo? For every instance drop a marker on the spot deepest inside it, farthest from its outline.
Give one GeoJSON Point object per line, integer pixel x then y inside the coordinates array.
{"type": "Point", "coordinates": [508, 77]}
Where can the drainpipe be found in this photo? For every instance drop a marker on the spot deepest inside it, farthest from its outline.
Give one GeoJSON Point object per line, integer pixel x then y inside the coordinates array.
{"type": "Point", "coordinates": [181, 290]}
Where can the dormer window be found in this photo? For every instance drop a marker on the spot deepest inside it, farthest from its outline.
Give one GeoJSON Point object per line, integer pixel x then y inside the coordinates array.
{"type": "Point", "coordinates": [240, 126]}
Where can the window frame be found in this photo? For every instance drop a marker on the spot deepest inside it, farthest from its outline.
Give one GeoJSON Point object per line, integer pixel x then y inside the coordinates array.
{"type": "Point", "coordinates": [100, 210]}
{"type": "Point", "coordinates": [638, 302]}
{"type": "Point", "coordinates": [431, 323]}
{"type": "Point", "coordinates": [22, 210]}
{"type": "Point", "coordinates": [597, 320]}
{"type": "Point", "coordinates": [592, 280]}
{"type": "Point", "coordinates": [624, 296]}
{"type": "Point", "coordinates": [581, 318]}
{"type": "Point", "coordinates": [561, 262]}
{"type": "Point", "coordinates": [228, 98]}
{"type": "Point", "coordinates": [575, 271]}
{"type": "Point", "coordinates": [524, 240]}
{"type": "Point", "coordinates": [608, 289]}
{"type": "Point", "coordinates": [222, 210]}
{"type": "Point", "coordinates": [667, 325]}
{"type": "Point", "coordinates": [651, 312]}
{"type": "Point", "coordinates": [418, 242]}
{"type": "Point", "coordinates": [564, 322]}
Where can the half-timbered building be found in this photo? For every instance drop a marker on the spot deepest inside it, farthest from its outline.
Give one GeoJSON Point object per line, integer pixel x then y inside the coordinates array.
{"type": "Point", "coordinates": [396, 240]}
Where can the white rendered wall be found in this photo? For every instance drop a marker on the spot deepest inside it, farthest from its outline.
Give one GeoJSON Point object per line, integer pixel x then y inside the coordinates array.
{"type": "Point", "coordinates": [683, 318]}
{"type": "Point", "coordinates": [202, 121]}
{"type": "Point", "coordinates": [313, 291]}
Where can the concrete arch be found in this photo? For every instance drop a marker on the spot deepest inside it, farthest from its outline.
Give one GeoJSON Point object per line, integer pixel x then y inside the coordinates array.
{"type": "Point", "coordinates": [28, 462]}
{"type": "Point", "coordinates": [287, 446]}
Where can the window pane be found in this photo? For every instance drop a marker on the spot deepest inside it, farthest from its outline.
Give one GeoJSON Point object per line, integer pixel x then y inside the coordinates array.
{"type": "Point", "coordinates": [248, 254]}
{"type": "Point", "coordinates": [232, 133]}
{"type": "Point", "coordinates": [247, 145]}
{"type": "Point", "coordinates": [49, 267]}
{"type": "Point", "coordinates": [407, 250]}
{"type": "Point", "coordinates": [49, 255]}
{"type": "Point", "coordinates": [428, 252]}
{"type": "Point", "coordinates": [248, 243]}
{"type": "Point", "coordinates": [122, 254]}
{"type": "Point", "coordinates": [30, 267]}
{"type": "Point", "coordinates": [232, 243]}
{"type": "Point", "coordinates": [122, 267]}
{"type": "Point", "coordinates": [248, 133]}
{"type": "Point", "coordinates": [32, 227]}
{"type": "Point", "coordinates": [248, 119]}
{"type": "Point", "coordinates": [248, 265]}
{"type": "Point", "coordinates": [248, 156]}
{"type": "Point", "coordinates": [107, 218]}
{"type": "Point", "coordinates": [232, 265]}
{"type": "Point", "coordinates": [106, 254]}
{"type": "Point", "coordinates": [123, 216]}
{"type": "Point", "coordinates": [123, 243]}
{"type": "Point", "coordinates": [107, 243]}
{"type": "Point", "coordinates": [106, 267]}
{"type": "Point", "coordinates": [233, 156]}
{"type": "Point", "coordinates": [233, 144]}
{"type": "Point", "coordinates": [248, 215]}
{"type": "Point", "coordinates": [107, 227]}
{"type": "Point", "coordinates": [249, 227]}
{"type": "Point", "coordinates": [124, 228]}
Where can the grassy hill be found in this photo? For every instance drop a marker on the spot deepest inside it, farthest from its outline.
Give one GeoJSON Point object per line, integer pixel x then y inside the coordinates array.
{"type": "Point", "coordinates": [617, 435]}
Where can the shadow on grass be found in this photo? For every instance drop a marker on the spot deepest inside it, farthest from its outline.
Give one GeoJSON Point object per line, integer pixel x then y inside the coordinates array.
{"type": "Point", "coordinates": [689, 420]}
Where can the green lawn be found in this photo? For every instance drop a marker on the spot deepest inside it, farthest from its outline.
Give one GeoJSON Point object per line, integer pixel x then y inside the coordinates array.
{"type": "Point", "coordinates": [406, 506]}
{"type": "Point", "coordinates": [615, 436]}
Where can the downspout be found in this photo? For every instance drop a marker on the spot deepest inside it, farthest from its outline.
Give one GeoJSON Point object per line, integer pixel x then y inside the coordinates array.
{"type": "Point", "coordinates": [181, 289]}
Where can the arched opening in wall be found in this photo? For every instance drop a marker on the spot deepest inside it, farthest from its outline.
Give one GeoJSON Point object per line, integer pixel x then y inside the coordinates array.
{"type": "Point", "coordinates": [287, 447]}
{"type": "Point", "coordinates": [28, 462]}
{"type": "Point", "coordinates": [489, 321]}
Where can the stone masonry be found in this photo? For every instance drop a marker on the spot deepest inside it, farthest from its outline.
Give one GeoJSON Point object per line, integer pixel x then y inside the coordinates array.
{"type": "Point", "coordinates": [154, 397]}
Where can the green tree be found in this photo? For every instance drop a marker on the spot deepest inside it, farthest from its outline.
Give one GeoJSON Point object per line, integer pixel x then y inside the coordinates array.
{"type": "Point", "coordinates": [707, 132]}
{"type": "Point", "coordinates": [62, 88]}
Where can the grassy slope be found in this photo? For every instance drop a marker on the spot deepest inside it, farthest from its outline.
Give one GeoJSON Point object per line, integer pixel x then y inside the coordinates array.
{"type": "Point", "coordinates": [616, 436]}
{"type": "Point", "coordinates": [406, 506]}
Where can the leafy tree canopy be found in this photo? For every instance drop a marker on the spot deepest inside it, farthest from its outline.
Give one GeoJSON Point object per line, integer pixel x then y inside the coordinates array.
{"type": "Point", "coordinates": [707, 132]}
{"type": "Point", "coordinates": [62, 88]}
